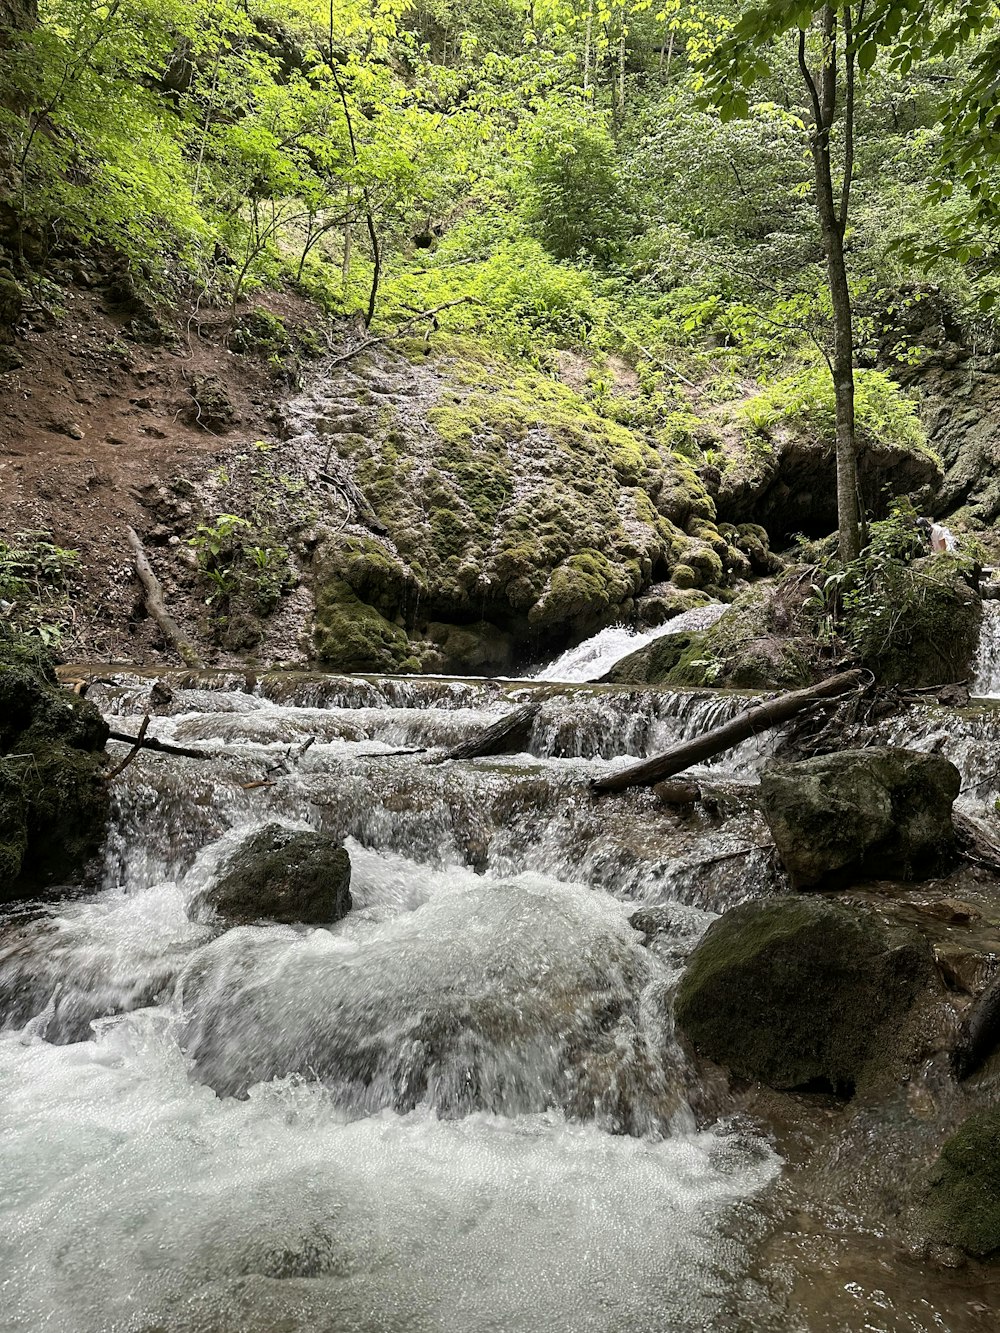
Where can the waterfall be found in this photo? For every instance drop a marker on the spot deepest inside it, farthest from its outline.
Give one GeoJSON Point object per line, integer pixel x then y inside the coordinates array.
{"type": "Point", "coordinates": [596, 656]}
{"type": "Point", "coordinates": [986, 681]}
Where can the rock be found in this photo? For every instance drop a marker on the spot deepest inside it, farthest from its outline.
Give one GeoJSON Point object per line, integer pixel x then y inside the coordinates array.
{"type": "Point", "coordinates": [508, 997]}
{"type": "Point", "coordinates": [964, 967]}
{"type": "Point", "coordinates": [677, 791]}
{"type": "Point", "coordinates": [747, 648]}
{"type": "Point", "coordinates": [801, 992]}
{"type": "Point", "coordinates": [509, 509]}
{"type": "Point", "coordinates": [874, 812]}
{"type": "Point", "coordinates": [964, 1205]}
{"type": "Point", "coordinates": [285, 875]}
{"type": "Point", "coordinates": [53, 799]}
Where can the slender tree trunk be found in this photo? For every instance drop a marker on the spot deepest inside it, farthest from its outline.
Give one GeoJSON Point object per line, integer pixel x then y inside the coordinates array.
{"type": "Point", "coordinates": [587, 41]}
{"type": "Point", "coordinates": [832, 227]}
{"type": "Point", "coordinates": [620, 99]}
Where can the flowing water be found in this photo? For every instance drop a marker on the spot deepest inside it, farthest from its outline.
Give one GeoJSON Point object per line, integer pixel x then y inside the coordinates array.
{"type": "Point", "coordinates": [460, 1109]}
{"type": "Point", "coordinates": [596, 656]}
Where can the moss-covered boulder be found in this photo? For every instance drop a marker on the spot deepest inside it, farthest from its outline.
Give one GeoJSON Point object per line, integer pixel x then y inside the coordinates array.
{"type": "Point", "coordinates": [801, 992]}
{"type": "Point", "coordinates": [880, 811]}
{"type": "Point", "coordinates": [964, 1205]}
{"type": "Point", "coordinates": [779, 467]}
{"type": "Point", "coordinates": [756, 645]}
{"type": "Point", "coordinates": [494, 494]}
{"type": "Point", "coordinates": [352, 635]}
{"type": "Point", "coordinates": [285, 875]}
{"type": "Point", "coordinates": [919, 623]}
{"type": "Point", "coordinates": [53, 798]}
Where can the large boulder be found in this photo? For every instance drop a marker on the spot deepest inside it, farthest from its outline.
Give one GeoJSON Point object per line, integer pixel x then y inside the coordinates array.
{"type": "Point", "coordinates": [801, 992]}
{"type": "Point", "coordinates": [500, 503]}
{"type": "Point", "coordinates": [287, 875]}
{"type": "Point", "coordinates": [53, 797]}
{"type": "Point", "coordinates": [880, 812]}
{"type": "Point", "coordinates": [964, 1205]}
{"type": "Point", "coordinates": [757, 644]}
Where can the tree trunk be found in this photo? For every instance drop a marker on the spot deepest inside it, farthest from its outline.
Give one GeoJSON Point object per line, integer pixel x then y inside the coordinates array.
{"type": "Point", "coordinates": [508, 736]}
{"type": "Point", "coordinates": [762, 717]}
{"type": "Point", "coordinates": [832, 228]}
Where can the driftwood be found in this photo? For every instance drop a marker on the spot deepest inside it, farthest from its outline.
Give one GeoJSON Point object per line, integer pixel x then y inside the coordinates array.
{"type": "Point", "coordinates": [759, 718]}
{"type": "Point", "coordinates": [136, 747]}
{"type": "Point", "coordinates": [144, 742]}
{"type": "Point", "coordinates": [157, 607]}
{"type": "Point", "coordinates": [504, 737]}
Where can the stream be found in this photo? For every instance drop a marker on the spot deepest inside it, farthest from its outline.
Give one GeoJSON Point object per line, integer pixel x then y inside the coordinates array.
{"type": "Point", "coordinates": [462, 1109]}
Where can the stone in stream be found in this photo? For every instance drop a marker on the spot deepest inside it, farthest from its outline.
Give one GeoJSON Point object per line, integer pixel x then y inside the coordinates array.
{"type": "Point", "coordinates": [507, 997]}
{"type": "Point", "coordinates": [802, 991]}
{"type": "Point", "coordinates": [286, 875]}
{"type": "Point", "coordinates": [876, 812]}
{"type": "Point", "coordinates": [964, 1203]}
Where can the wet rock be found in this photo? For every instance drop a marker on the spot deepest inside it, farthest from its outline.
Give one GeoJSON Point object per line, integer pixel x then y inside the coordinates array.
{"type": "Point", "coordinates": [964, 1205]}
{"type": "Point", "coordinates": [875, 812]}
{"type": "Point", "coordinates": [53, 799]}
{"type": "Point", "coordinates": [802, 993]}
{"type": "Point", "coordinates": [287, 875]}
{"type": "Point", "coordinates": [505, 997]}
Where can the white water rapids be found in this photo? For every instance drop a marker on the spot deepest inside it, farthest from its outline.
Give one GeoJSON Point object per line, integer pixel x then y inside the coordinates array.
{"type": "Point", "coordinates": [466, 1110]}
{"type": "Point", "coordinates": [461, 1109]}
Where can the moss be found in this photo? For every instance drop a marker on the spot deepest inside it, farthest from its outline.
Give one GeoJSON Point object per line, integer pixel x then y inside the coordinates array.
{"type": "Point", "coordinates": [521, 504]}
{"type": "Point", "coordinates": [351, 635]}
{"type": "Point", "coordinates": [964, 1204]}
{"type": "Point", "coordinates": [583, 589]}
{"type": "Point", "coordinates": [53, 799]}
{"type": "Point", "coordinates": [684, 576]}
{"type": "Point", "coordinates": [797, 992]}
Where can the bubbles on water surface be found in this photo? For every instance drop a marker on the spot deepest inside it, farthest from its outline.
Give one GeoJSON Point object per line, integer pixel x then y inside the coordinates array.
{"type": "Point", "coordinates": [137, 1199]}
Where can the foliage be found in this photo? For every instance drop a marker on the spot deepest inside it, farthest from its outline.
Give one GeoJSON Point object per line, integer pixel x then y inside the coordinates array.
{"type": "Point", "coordinates": [34, 579]}
{"type": "Point", "coordinates": [910, 617]}
{"type": "Point", "coordinates": [885, 414]}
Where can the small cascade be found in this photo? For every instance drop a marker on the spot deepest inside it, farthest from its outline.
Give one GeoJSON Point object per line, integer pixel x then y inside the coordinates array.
{"type": "Point", "coordinates": [460, 1109]}
{"type": "Point", "coordinates": [593, 658]}
{"type": "Point", "coordinates": [986, 682]}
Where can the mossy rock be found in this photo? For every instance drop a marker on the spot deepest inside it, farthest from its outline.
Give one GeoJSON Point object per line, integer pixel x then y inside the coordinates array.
{"type": "Point", "coordinates": [350, 635]}
{"type": "Point", "coordinates": [934, 635]}
{"type": "Point", "coordinates": [507, 497]}
{"type": "Point", "coordinates": [802, 993]}
{"type": "Point", "coordinates": [882, 811]}
{"type": "Point", "coordinates": [285, 875]}
{"type": "Point", "coordinates": [964, 1204]}
{"type": "Point", "coordinates": [53, 798]}
{"type": "Point", "coordinates": [654, 662]}
{"type": "Point", "coordinates": [743, 650]}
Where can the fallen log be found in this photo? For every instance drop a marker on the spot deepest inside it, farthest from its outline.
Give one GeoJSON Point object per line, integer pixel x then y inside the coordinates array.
{"type": "Point", "coordinates": [157, 607]}
{"type": "Point", "coordinates": [161, 747]}
{"type": "Point", "coordinates": [762, 717]}
{"type": "Point", "coordinates": [507, 736]}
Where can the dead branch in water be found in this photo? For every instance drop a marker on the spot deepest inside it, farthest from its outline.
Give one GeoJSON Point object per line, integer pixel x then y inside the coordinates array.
{"type": "Point", "coordinates": [762, 717]}
{"type": "Point", "coordinates": [132, 753]}
{"type": "Point", "coordinates": [507, 736]}
{"type": "Point", "coordinates": [144, 742]}
{"type": "Point", "coordinates": [157, 607]}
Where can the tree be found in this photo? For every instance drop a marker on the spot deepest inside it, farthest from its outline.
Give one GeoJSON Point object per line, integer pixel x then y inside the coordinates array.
{"type": "Point", "coordinates": [827, 56]}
